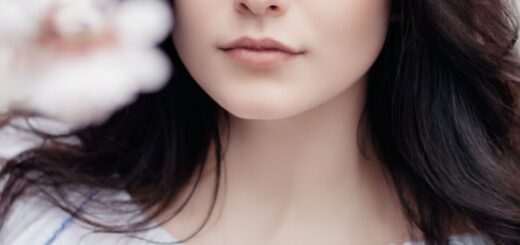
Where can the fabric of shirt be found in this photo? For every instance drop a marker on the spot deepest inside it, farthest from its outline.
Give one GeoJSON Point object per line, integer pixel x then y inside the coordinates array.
{"type": "Point", "coordinates": [36, 222]}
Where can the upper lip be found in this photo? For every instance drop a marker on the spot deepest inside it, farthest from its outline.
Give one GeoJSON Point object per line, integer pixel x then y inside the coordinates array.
{"type": "Point", "coordinates": [259, 44]}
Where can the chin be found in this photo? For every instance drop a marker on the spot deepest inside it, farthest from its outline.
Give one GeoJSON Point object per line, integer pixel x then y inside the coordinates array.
{"type": "Point", "coordinates": [260, 110]}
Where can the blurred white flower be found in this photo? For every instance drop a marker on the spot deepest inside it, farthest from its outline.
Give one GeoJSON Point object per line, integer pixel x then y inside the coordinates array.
{"type": "Point", "coordinates": [79, 60]}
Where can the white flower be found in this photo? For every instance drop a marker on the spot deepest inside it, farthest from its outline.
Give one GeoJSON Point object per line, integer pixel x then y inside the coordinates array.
{"type": "Point", "coordinates": [79, 60]}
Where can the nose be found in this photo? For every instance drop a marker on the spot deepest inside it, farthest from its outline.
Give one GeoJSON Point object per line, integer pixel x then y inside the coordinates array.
{"type": "Point", "coordinates": [261, 7]}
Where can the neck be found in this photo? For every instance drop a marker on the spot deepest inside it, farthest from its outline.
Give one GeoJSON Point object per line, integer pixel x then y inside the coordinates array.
{"type": "Point", "coordinates": [308, 165]}
{"type": "Point", "coordinates": [291, 161]}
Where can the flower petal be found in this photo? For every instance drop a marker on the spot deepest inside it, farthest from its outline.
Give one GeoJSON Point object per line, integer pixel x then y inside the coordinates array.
{"type": "Point", "coordinates": [143, 22]}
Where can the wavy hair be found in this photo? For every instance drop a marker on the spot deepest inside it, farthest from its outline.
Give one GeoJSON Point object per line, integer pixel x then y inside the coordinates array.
{"type": "Point", "coordinates": [442, 111]}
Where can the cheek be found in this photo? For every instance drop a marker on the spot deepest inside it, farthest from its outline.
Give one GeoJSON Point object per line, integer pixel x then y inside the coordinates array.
{"type": "Point", "coordinates": [349, 36]}
{"type": "Point", "coordinates": [195, 25]}
{"type": "Point", "coordinates": [194, 30]}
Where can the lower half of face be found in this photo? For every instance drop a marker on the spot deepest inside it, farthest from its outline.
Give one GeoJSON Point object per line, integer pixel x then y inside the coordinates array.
{"type": "Point", "coordinates": [337, 41]}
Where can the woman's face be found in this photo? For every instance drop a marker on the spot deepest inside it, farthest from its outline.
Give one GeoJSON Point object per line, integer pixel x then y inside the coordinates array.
{"type": "Point", "coordinates": [337, 42]}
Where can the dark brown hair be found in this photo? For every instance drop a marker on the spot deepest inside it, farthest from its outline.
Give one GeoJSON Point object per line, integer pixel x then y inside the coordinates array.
{"type": "Point", "coordinates": [441, 110]}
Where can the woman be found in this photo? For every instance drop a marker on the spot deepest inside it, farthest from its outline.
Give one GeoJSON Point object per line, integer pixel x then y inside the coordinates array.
{"type": "Point", "coordinates": [297, 122]}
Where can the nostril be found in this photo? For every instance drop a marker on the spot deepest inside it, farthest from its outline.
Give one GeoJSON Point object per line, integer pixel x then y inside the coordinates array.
{"type": "Point", "coordinates": [243, 6]}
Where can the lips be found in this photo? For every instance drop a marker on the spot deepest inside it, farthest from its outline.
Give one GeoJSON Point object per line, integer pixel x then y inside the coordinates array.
{"type": "Point", "coordinates": [266, 44]}
{"type": "Point", "coordinates": [259, 53]}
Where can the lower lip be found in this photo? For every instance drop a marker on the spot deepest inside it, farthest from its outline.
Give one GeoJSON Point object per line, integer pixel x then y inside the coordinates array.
{"type": "Point", "coordinates": [259, 58]}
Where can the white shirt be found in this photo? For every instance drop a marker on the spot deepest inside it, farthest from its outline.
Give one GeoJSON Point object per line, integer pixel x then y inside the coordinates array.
{"type": "Point", "coordinates": [35, 222]}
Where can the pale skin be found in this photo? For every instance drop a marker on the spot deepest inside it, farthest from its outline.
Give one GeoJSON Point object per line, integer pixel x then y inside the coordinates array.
{"type": "Point", "coordinates": [293, 170]}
